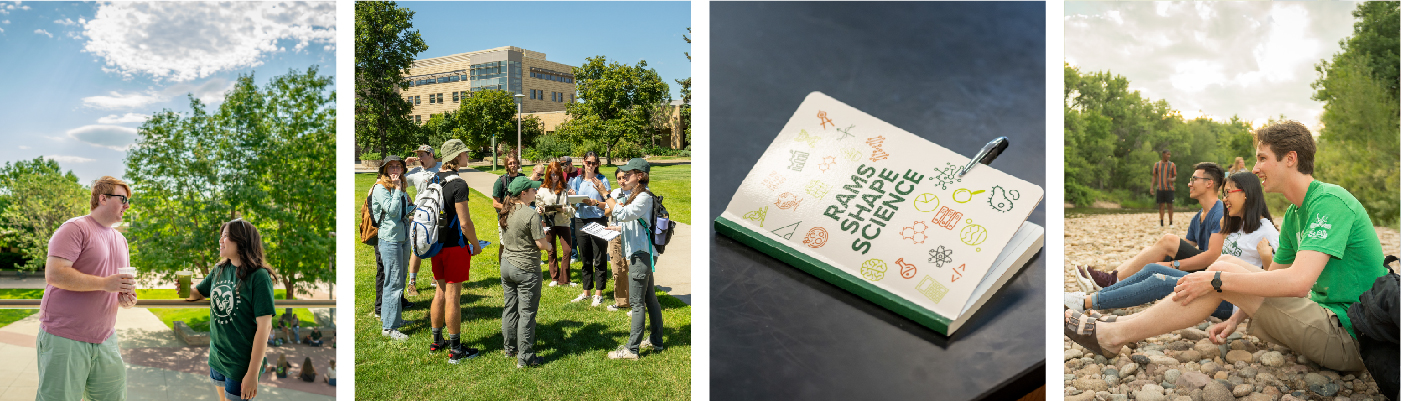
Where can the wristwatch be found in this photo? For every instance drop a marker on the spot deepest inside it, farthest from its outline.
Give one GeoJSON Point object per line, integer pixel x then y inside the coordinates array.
{"type": "Point", "coordinates": [1177, 264]}
{"type": "Point", "coordinates": [1216, 282]}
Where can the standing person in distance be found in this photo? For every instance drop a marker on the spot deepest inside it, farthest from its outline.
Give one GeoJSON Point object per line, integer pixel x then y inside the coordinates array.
{"type": "Point", "coordinates": [452, 265]}
{"type": "Point", "coordinates": [520, 270]}
{"type": "Point", "coordinates": [79, 353]}
{"type": "Point", "coordinates": [1237, 167]}
{"type": "Point", "coordinates": [553, 203]}
{"type": "Point", "coordinates": [634, 216]}
{"type": "Point", "coordinates": [240, 311]}
{"type": "Point", "coordinates": [498, 191]}
{"type": "Point", "coordinates": [615, 252]}
{"type": "Point", "coordinates": [418, 178]}
{"type": "Point", "coordinates": [1164, 178]}
{"type": "Point", "coordinates": [592, 250]}
{"type": "Point", "coordinates": [389, 203]}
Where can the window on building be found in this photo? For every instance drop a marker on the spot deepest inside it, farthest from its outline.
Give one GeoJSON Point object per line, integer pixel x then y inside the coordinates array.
{"type": "Point", "coordinates": [417, 100]}
{"type": "Point", "coordinates": [417, 119]}
{"type": "Point", "coordinates": [454, 97]}
{"type": "Point", "coordinates": [432, 99]}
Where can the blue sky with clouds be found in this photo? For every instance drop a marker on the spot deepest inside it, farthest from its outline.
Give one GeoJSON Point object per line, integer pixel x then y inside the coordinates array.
{"type": "Point", "coordinates": [1212, 59]}
{"type": "Point", "coordinates": [567, 32]}
{"type": "Point", "coordinates": [81, 77]}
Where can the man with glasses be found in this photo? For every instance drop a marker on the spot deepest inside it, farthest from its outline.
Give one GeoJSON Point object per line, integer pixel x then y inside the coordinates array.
{"type": "Point", "coordinates": [1204, 187]}
{"type": "Point", "coordinates": [1164, 178]}
{"type": "Point", "coordinates": [79, 355]}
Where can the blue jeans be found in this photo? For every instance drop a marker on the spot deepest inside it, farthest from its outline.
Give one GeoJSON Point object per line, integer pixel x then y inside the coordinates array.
{"type": "Point", "coordinates": [396, 258]}
{"type": "Point", "coordinates": [233, 389]}
{"type": "Point", "coordinates": [1152, 283]}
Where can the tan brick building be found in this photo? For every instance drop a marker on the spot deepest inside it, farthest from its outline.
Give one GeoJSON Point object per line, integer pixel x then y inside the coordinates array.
{"type": "Point", "coordinates": [438, 85]}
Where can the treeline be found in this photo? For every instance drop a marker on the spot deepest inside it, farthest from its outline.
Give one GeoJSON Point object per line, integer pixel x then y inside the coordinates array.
{"type": "Point", "coordinates": [1113, 135]}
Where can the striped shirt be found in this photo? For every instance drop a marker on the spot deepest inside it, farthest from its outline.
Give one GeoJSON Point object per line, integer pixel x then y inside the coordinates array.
{"type": "Point", "coordinates": [1163, 170]}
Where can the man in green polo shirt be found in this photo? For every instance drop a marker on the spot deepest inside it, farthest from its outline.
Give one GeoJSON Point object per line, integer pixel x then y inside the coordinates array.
{"type": "Point", "coordinates": [1328, 255]}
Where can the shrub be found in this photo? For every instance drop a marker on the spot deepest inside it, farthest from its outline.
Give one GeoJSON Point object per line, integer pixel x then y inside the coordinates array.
{"type": "Point", "coordinates": [625, 150]}
{"type": "Point", "coordinates": [370, 156]}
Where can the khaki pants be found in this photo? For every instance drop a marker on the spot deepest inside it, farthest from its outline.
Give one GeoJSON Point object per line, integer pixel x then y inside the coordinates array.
{"type": "Point", "coordinates": [1309, 329]}
{"type": "Point", "coordinates": [620, 272]}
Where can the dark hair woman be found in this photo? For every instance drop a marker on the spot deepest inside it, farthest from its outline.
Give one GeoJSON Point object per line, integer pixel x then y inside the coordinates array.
{"type": "Point", "coordinates": [390, 206]}
{"type": "Point", "coordinates": [593, 251]}
{"type": "Point", "coordinates": [520, 270]}
{"type": "Point", "coordinates": [240, 310]}
{"type": "Point", "coordinates": [553, 202]}
{"type": "Point", "coordinates": [634, 216]}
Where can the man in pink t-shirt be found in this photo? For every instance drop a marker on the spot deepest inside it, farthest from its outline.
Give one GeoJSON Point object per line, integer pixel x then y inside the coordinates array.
{"type": "Point", "coordinates": [78, 354]}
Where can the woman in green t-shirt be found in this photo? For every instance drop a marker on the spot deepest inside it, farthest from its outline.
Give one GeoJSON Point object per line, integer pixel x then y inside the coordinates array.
{"type": "Point", "coordinates": [522, 237]}
{"type": "Point", "coordinates": [240, 310]}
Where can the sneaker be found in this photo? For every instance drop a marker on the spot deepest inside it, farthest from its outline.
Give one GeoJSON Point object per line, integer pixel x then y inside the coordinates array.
{"type": "Point", "coordinates": [573, 284]}
{"type": "Point", "coordinates": [554, 283]}
{"type": "Point", "coordinates": [1103, 279]}
{"type": "Point", "coordinates": [1083, 279]}
{"type": "Point", "coordinates": [533, 362]}
{"type": "Point", "coordinates": [597, 300]}
{"type": "Point", "coordinates": [1075, 301]}
{"type": "Point", "coordinates": [648, 344]}
{"type": "Point", "coordinates": [622, 353]}
{"type": "Point", "coordinates": [629, 312]}
{"type": "Point", "coordinates": [394, 335]}
{"type": "Point", "coordinates": [458, 354]}
{"type": "Point", "coordinates": [437, 346]}
{"type": "Point", "coordinates": [412, 290]}
{"type": "Point", "coordinates": [433, 283]}
{"type": "Point", "coordinates": [573, 260]}
{"type": "Point", "coordinates": [581, 297]}
{"type": "Point", "coordinates": [615, 308]}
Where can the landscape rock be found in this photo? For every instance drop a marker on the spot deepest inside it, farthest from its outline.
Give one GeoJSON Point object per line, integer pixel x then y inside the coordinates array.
{"type": "Point", "coordinates": [1272, 359]}
{"type": "Point", "coordinates": [1215, 391]}
{"type": "Point", "coordinates": [1238, 355]}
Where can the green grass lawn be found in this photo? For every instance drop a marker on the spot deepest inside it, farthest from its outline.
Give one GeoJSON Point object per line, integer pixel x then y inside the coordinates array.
{"type": "Point", "coordinates": [197, 318]}
{"type": "Point", "coordinates": [572, 338]}
{"type": "Point", "coordinates": [672, 182]}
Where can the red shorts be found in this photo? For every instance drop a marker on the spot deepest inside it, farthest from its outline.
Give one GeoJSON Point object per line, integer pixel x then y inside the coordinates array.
{"type": "Point", "coordinates": [453, 265]}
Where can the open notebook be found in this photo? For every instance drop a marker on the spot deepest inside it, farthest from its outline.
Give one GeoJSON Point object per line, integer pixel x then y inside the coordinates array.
{"type": "Point", "coordinates": [883, 213]}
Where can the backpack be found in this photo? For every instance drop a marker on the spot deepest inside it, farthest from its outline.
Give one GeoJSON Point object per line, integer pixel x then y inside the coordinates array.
{"type": "Point", "coordinates": [1375, 318]}
{"type": "Point", "coordinates": [661, 227]}
{"type": "Point", "coordinates": [427, 219]}
{"type": "Point", "coordinates": [369, 226]}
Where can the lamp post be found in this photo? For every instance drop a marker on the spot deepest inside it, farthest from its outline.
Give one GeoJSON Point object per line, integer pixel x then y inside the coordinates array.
{"type": "Point", "coordinates": [520, 98]}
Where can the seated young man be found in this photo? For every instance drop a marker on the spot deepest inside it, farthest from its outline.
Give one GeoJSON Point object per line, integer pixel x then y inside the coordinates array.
{"type": "Point", "coordinates": [1328, 255]}
{"type": "Point", "coordinates": [1198, 250]}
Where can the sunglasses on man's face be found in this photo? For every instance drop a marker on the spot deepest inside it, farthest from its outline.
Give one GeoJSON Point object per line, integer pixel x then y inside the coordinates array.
{"type": "Point", "coordinates": [125, 199]}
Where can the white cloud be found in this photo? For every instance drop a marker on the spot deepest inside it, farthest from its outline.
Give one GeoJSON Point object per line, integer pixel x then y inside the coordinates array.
{"type": "Point", "coordinates": [22, 147]}
{"type": "Point", "coordinates": [43, 32]}
{"type": "Point", "coordinates": [65, 21]}
{"type": "Point", "coordinates": [185, 41]}
{"type": "Point", "coordinates": [122, 100]}
{"type": "Point", "coordinates": [69, 159]}
{"type": "Point", "coordinates": [5, 22]}
{"type": "Point", "coordinates": [105, 136]}
{"type": "Point", "coordinates": [125, 118]}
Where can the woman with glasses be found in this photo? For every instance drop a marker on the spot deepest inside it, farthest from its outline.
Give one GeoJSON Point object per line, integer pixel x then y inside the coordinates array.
{"type": "Point", "coordinates": [593, 251]}
{"type": "Point", "coordinates": [240, 311]}
{"type": "Point", "coordinates": [390, 206]}
{"type": "Point", "coordinates": [634, 216]}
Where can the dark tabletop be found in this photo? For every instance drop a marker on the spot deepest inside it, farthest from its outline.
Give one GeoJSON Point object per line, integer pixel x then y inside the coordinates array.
{"type": "Point", "coordinates": [958, 74]}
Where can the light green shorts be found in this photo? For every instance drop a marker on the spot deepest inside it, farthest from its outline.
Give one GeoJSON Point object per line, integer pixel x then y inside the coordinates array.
{"type": "Point", "coordinates": [72, 369]}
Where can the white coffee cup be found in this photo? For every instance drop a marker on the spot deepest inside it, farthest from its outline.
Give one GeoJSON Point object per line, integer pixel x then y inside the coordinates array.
{"type": "Point", "coordinates": [131, 271]}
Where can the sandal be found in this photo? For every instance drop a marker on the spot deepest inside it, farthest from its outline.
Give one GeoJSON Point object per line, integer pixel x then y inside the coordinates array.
{"type": "Point", "coordinates": [1081, 329]}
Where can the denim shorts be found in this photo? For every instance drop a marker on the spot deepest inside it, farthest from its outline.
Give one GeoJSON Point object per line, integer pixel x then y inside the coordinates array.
{"type": "Point", "coordinates": [233, 389]}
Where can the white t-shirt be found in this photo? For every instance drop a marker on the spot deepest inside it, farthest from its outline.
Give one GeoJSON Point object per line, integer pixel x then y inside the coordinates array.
{"type": "Point", "coordinates": [1243, 245]}
{"type": "Point", "coordinates": [418, 176]}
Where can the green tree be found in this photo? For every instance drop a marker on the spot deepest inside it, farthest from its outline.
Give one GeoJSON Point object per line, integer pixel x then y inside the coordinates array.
{"type": "Point", "coordinates": [37, 198]}
{"type": "Point", "coordinates": [685, 118]}
{"type": "Point", "coordinates": [619, 96]}
{"type": "Point", "coordinates": [266, 155]}
{"type": "Point", "coordinates": [487, 113]}
{"type": "Point", "coordinates": [385, 47]}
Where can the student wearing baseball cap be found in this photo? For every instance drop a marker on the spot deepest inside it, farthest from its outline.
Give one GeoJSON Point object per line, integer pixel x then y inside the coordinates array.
{"type": "Point", "coordinates": [633, 214]}
{"type": "Point", "coordinates": [520, 270]}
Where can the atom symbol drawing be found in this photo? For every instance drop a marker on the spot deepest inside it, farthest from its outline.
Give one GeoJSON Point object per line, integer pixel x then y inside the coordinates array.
{"type": "Point", "coordinates": [915, 232]}
{"type": "Point", "coordinates": [940, 256]}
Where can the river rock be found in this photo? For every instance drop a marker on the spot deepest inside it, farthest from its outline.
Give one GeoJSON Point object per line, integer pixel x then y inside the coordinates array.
{"type": "Point", "coordinates": [1085, 396]}
{"type": "Point", "coordinates": [1188, 356]}
{"type": "Point", "coordinates": [1192, 334]}
{"type": "Point", "coordinates": [1128, 369]}
{"type": "Point", "coordinates": [1073, 353]}
{"type": "Point", "coordinates": [1238, 355]}
{"type": "Point", "coordinates": [1205, 347]}
{"type": "Point", "coordinates": [1150, 392]}
{"type": "Point", "coordinates": [1162, 360]}
{"type": "Point", "coordinates": [1192, 380]}
{"type": "Point", "coordinates": [1089, 383]}
{"type": "Point", "coordinates": [1140, 359]}
{"type": "Point", "coordinates": [1272, 359]}
{"type": "Point", "coordinates": [1242, 390]}
{"type": "Point", "coordinates": [1215, 391]}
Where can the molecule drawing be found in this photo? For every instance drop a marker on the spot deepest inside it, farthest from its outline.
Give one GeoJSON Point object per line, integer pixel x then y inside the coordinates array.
{"type": "Point", "coordinates": [907, 271]}
{"type": "Point", "coordinates": [816, 237]}
{"type": "Point", "coordinates": [803, 136]}
{"type": "Point", "coordinates": [940, 256]}
{"type": "Point", "coordinates": [788, 200]}
{"type": "Point", "coordinates": [915, 232]}
{"type": "Point", "coordinates": [818, 189]}
{"type": "Point", "coordinates": [947, 218]}
{"type": "Point", "coordinates": [822, 117]}
{"type": "Point", "coordinates": [757, 216]}
{"type": "Point", "coordinates": [873, 269]}
{"type": "Point", "coordinates": [931, 289]}
{"type": "Point", "coordinates": [946, 176]}
{"type": "Point", "coordinates": [773, 181]}
{"type": "Point", "coordinates": [827, 163]}
{"type": "Point", "coordinates": [846, 133]}
{"type": "Point", "coordinates": [877, 152]}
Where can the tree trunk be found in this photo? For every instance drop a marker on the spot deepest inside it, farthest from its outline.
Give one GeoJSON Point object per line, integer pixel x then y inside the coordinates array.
{"type": "Point", "coordinates": [291, 291]}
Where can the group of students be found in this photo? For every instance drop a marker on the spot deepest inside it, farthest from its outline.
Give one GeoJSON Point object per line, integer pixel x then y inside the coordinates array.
{"type": "Point", "coordinates": [79, 355]}
{"type": "Point", "coordinates": [1296, 283]}
{"type": "Point", "coordinates": [533, 213]}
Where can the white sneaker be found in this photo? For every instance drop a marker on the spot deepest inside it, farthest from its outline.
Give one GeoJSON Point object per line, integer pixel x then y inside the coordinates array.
{"type": "Point", "coordinates": [573, 284]}
{"type": "Point", "coordinates": [581, 297]}
{"type": "Point", "coordinates": [1086, 284]}
{"type": "Point", "coordinates": [646, 344]}
{"type": "Point", "coordinates": [597, 300]}
{"type": "Point", "coordinates": [614, 307]}
{"type": "Point", "coordinates": [554, 283]}
{"type": "Point", "coordinates": [1075, 301]}
{"type": "Point", "coordinates": [394, 335]}
{"type": "Point", "coordinates": [629, 313]}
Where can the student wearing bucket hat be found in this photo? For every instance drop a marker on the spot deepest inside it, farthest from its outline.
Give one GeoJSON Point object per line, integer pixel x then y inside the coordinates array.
{"type": "Point", "coordinates": [389, 203]}
{"type": "Point", "coordinates": [632, 214]}
{"type": "Point", "coordinates": [418, 177]}
{"type": "Point", "coordinates": [520, 270]}
{"type": "Point", "coordinates": [452, 265]}
{"type": "Point", "coordinates": [383, 180]}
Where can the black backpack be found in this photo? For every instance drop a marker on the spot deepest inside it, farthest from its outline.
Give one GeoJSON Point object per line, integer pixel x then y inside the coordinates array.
{"type": "Point", "coordinates": [1374, 318]}
{"type": "Point", "coordinates": [662, 237]}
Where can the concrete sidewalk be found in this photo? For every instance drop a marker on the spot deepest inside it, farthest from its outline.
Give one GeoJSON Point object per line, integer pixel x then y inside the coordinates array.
{"type": "Point", "coordinates": [159, 366]}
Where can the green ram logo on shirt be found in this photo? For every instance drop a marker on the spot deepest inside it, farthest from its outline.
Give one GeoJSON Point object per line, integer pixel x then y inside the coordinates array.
{"type": "Point", "coordinates": [1232, 248]}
